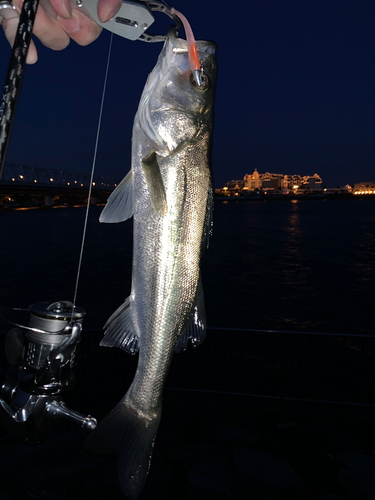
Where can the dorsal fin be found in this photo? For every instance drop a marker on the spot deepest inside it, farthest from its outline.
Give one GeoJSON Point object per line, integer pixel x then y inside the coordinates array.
{"type": "Point", "coordinates": [195, 328]}
{"type": "Point", "coordinates": [208, 225]}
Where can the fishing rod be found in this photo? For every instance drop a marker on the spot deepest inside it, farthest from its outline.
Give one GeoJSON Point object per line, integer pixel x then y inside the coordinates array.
{"type": "Point", "coordinates": [15, 74]}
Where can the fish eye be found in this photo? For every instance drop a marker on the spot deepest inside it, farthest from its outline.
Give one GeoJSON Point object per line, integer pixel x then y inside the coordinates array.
{"type": "Point", "coordinates": [206, 82]}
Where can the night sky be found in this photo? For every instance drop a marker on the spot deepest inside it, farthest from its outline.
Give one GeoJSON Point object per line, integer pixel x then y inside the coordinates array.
{"type": "Point", "coordinates": [295, 92]}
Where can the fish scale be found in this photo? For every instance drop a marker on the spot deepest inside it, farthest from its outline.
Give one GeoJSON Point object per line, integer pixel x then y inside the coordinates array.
{"type": "Point", "coordinates": [169, 192]}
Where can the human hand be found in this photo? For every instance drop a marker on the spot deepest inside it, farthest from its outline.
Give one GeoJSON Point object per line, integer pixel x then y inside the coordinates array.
{"type": "Point", "coordinates": [57, 22]}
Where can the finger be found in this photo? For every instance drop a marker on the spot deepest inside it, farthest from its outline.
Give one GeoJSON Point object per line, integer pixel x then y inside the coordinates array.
{"type": "Point", "coordinates": [32, 54]}
{"type": "Point", "coordinates": [62, 8]}
{"type": "Point", "coordinates": [49, 32]}
{"type": "Point", "coordinates": [107, 9]}
{"type": "Point", "coordinates": [10, 28]}
{"type": "Point", "coordinates": [80, 28]}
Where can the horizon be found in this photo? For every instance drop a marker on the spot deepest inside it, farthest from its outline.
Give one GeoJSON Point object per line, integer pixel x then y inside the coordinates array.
{"type": "Point", "coordinates": [117, 179]}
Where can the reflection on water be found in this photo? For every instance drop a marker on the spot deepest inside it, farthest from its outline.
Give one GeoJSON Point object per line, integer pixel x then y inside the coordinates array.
{"type": "Point", "coordinates": [275, 264]}
{"type": "Point", "coordinates": [293, 265]}
{"type": "Point", "coordinates": [292, 243]}
{"type": "Point", "coordinates": [364, 255]}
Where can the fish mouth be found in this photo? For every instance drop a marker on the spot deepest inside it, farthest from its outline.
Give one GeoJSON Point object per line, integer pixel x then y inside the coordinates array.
{"type": "Point", "coordinates": [176, 53]}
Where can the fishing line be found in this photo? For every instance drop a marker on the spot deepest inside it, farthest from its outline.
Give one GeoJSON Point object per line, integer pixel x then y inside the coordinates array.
{"type": "Point", "coordinates": [92, 175]}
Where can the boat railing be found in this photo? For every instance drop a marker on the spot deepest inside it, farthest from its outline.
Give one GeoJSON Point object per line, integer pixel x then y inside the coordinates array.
{"type": "Point", "coordinates": [334, 368]}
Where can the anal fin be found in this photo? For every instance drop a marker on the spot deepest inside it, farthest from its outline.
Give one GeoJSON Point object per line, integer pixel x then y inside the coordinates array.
{"type": "Point", "coordinates": [120, 331]}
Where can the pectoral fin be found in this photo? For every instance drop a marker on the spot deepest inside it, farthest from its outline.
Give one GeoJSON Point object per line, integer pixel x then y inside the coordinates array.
{"type": "Point", "coordinates": [120, 204]}
{"type": "Point", "coordinates": [155, 184]}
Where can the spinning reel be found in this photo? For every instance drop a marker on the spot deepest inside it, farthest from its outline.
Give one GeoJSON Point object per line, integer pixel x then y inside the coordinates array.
{"type": "Point", "coordinates": [41, 358]}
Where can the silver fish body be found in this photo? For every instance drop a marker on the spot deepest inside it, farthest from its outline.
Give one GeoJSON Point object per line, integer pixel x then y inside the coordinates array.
{"type": "Point", "coordinates": [169, 190]}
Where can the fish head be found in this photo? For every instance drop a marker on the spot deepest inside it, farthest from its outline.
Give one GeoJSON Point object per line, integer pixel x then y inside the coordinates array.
{"type": "Point", "coordinates": [173, 109]}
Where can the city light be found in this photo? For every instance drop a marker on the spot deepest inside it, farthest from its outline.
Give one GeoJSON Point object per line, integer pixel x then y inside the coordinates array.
{"type": "Point", "coordinates": [47, 180]}
{"type": "Point", "coordinates": [364, 192]}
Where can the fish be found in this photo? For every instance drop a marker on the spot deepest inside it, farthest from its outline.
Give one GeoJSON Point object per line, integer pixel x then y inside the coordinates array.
{"type": "Point", "coordinates": [169, 192]}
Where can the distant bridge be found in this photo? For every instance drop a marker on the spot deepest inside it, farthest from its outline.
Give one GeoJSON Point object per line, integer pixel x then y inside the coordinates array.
{"type": "Point", "coordinates": [23, 185]}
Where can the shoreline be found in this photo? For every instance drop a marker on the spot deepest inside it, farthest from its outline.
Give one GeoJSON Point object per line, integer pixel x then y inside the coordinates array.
{"type": "Point", "coordinates": [290, 197]}
{"type": "Point", "coordinates": [241, 198]}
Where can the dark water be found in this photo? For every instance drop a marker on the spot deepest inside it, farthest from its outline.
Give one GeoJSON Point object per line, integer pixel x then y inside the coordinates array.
{"type": "Point", "coordinates": [296, 265]}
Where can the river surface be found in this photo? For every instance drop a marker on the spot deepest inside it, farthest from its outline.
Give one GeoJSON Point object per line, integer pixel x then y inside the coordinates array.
{"type": "Point", "coordinates": [285, 265]}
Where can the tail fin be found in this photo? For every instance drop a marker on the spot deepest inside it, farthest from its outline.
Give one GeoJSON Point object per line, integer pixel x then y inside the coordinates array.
{"type": "Point", "coordinates": [131, 435]}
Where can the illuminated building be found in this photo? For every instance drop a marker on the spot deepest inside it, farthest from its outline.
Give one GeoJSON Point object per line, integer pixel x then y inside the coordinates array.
{"type": "Point", "coordinates": [364, 188]}
{"type": "Point", "coordinates": [234, 187]}
{"type": "Point", "coordinates": [252, 181]}
{"type": "Point", "coordinates": [270, 182]}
